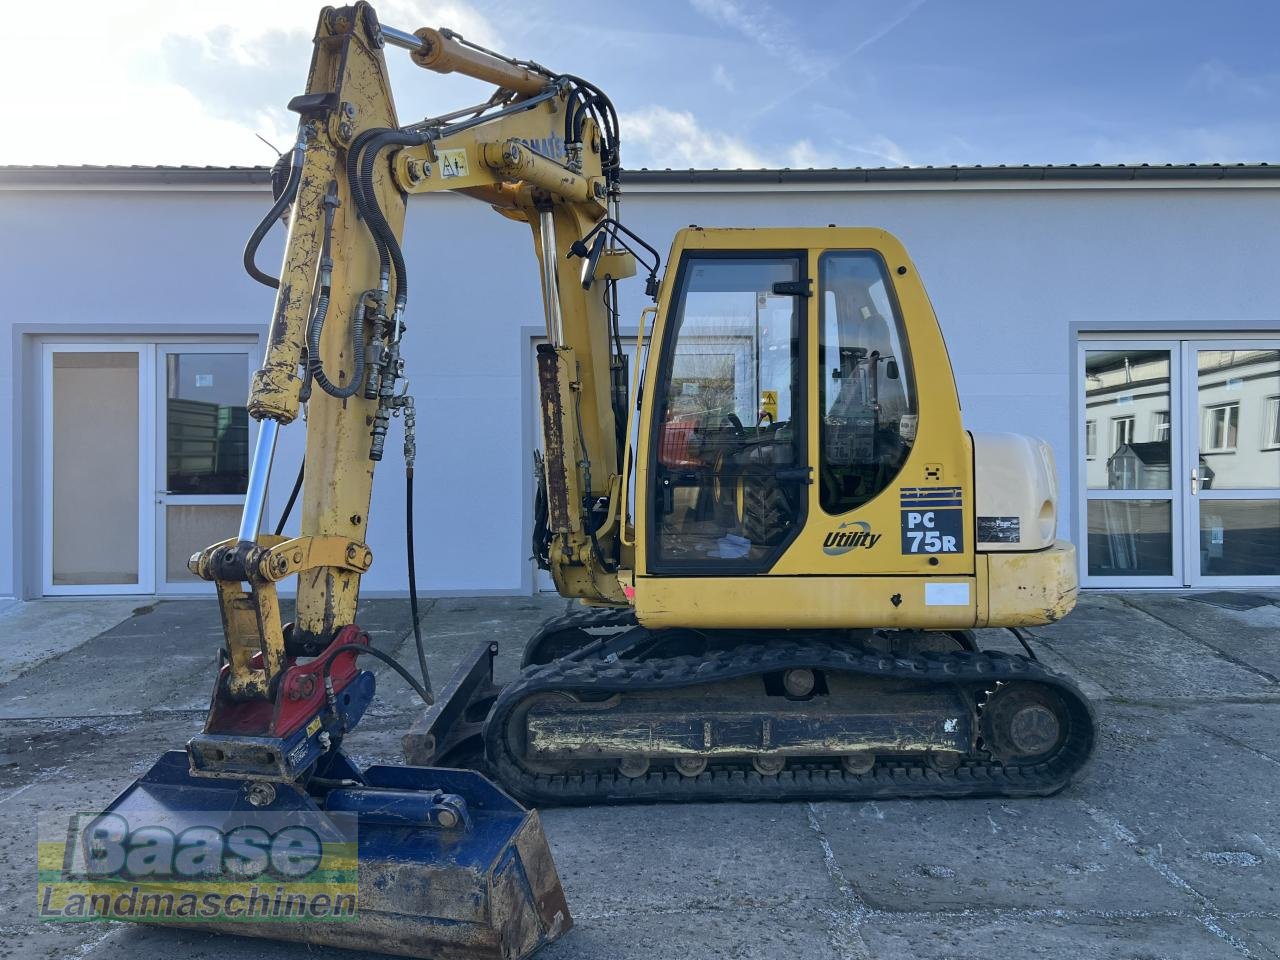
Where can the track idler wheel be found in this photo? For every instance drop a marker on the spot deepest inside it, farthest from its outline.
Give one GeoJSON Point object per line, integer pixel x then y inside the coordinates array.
{"type": "Point", "coordinates": [768, 764]}
{"type": "Point", "coordinates": [858, 763]}
{"type": "Point", "coordinates": [1024, 724]}
{"type": "Point", "coordinates": [690, 766]}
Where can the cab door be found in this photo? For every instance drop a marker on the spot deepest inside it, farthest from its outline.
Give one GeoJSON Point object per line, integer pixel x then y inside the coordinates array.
{"type": "Point", "coordinates": [892, 490]}
{"type": "Point", "coordinates": [728, 441]}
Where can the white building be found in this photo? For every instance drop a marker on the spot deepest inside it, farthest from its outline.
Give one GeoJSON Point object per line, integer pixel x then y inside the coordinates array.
{"type": "Point", "coordinates": [1129, 315]}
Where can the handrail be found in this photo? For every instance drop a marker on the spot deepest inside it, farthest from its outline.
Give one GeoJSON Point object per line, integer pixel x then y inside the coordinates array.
{"type": "Point", "coordinates": [636, 373]}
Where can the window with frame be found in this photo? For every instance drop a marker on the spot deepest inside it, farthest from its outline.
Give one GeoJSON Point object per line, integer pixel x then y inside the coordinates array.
{"type": "Point", "coordinates": [1091, 438]}
{"type": "Point", "coordinates": [865, 395]}
{"type": "Point", "coordinates": [1160, 426]}
{"type": "Point", "coordinates": [728, 490]}
{"type": "Point", "coordinates": [1121, 432]}
{"type": "Point", "coordinates": [1221, 428]}
{"type": "Point", "coordinates": [1271, 438]}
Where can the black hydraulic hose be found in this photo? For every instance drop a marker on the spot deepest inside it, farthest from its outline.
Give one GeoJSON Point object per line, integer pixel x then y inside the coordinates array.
{"type": "Point", "coordinates": [413, 584]}
{"type": "Point", "coordinates": [374, 216]}
{"type": "Point", "coordinates": [314, 365]}
{"type": "Point", "coordinates": [293, 498]}
{"type": "Point", "coordinates": [386, 658]}
{"type": "Point", "coordinates": [358, 196]}
{"type": "Point", "coordinates": [287, 196]}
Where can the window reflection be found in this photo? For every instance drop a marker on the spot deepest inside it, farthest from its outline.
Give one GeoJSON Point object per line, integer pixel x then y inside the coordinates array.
{"type": "Point", "coordinates": [1127, 392]}
{"type": "Point", "coordinates": [1238, 392]}
{"type": "Point", "coordinates": [725, 485]}
{"type": "Point", "coordinates": [869, 411]}
{"type": "Point", "coordinates": [208, 427]}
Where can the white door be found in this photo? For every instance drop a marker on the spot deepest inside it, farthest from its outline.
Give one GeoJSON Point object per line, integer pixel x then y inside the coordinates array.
{"type": "Point", "coordinates": [1131, 496]}
{"type": "Point", "coordinates": [1232, 462]}
{"type": "Point", "coordinates": [1180, 452]}
{"type": "Point", "coordinates": [98, 430]}
{"type": "Point", "coordinates": [203, 441]}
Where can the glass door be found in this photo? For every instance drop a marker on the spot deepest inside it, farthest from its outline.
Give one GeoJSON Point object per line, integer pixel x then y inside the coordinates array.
{"type": "Point", "coordinates": [1131, 526]}
{"type": "Point", "coordinates": [97, 419]}
{"type": "Point", "coordinates": [1232, 466]}
{"type": "Point", "coordinates": [202, 458]}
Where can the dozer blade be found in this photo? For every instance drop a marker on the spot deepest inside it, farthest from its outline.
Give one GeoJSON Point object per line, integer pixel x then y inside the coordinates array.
{"type": "Point", "coordinates": [447, 865]}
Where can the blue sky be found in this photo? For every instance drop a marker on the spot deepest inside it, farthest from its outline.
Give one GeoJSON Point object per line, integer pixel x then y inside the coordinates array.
{"type": "Point", "coordinates": [704, 83]}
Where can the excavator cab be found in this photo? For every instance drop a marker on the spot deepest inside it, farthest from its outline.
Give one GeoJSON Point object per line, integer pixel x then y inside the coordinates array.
{"type": "Point", "coordinates": [801, 458]}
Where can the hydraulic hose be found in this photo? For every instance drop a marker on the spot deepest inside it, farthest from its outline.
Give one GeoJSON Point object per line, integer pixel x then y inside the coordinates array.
{"type": "Point", "coordinates": [413, 584]}
{"type": "Point", "coordinates": [362, 201]}
{"type": "Point", "coordinates": [286, 197]}
{"type": "Point", "coordinates": [293, 498]}
{"type": "Point", "coordinates": [314, 365]}
{"type": "Point", "coordinates": [386, 658]}
{"type": "Point", "coordinates": [373, 214]}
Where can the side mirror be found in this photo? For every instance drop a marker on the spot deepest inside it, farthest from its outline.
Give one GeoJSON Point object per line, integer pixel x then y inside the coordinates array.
{"type": "Point", "coordinates": [592, 261]}
{"type": "Point", "coordinates": [891, 369]}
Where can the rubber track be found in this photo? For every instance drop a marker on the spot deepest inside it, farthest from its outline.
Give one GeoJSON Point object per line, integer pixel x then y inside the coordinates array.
{"type": "Point", "coordinates": [588, 618]}
{"type": "Point", "coordinates": [977, 776]}
{"type": "Point", "coordinates": [583, 618]}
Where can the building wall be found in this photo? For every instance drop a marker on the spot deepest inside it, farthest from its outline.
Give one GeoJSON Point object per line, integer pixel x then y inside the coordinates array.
{"type": "Point", "coordinates": [1009, 271]}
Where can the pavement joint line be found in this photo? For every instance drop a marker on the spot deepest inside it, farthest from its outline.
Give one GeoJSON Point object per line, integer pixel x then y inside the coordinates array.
{"type": "Point", "coordinates": [1234, 742]}
{"type": "Point", "coordinates": [1192, 703]}
{"type": "Point", "coordinates": [1218, 652]}
{"type": "Point", "coordinates": [1076, 670]}
{"type": "Point", "coordinates": [847, 922]}
{"type": "Point", "coordinates": [1207, 916]}
{"type": "Point", "coordinates": [1267, 848]}
{"type": "Point", "coordinates": [23, 789]}
{"type": "Point", "coordinates": [91, 945]}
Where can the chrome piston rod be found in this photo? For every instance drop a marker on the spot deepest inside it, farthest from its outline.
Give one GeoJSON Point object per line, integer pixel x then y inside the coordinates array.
{"type": "Point", "coordinates": [550, 277]}
{"type": "Point", "coordinates": [255, 498]}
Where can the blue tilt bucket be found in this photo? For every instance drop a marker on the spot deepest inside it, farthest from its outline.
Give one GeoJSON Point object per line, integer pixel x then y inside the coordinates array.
{"type": "Point", "coordinates": [448, 866]}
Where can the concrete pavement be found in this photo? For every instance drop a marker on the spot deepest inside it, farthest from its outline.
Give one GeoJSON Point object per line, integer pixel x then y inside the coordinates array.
{"type": "Point", "coordinates": [1168, 847]}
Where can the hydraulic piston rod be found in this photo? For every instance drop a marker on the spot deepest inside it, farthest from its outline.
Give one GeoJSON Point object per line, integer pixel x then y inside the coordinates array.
{"type": "Point", "coordinates": [255, 498]}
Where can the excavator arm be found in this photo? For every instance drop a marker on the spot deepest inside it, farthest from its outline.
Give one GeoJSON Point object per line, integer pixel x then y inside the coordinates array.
{"type": "Point", "coordinates": [542, 150]}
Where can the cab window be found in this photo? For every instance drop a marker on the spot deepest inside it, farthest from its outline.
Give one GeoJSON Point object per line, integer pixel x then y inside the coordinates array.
{"type": "Point", "coordinates": [726, 441]}
{"type": "Point", "coordinates": [866, 395]}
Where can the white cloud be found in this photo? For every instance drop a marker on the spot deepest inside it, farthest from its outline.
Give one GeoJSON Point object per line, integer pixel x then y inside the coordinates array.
{"type": "Point", "coordinates": [165, 82]}
{"type": "Point", "coordinates": [721, 78]}
{"type": "Point", "coordinates": [804, 155]}
{"type": "Point", "coordinates": [882, 150]}
{"type": "Point", "coordinates": [658, 137]}
{"type": "Point", "coordinates": [1215, 77]}
{"type": "Point", "coordinates": [763, 26]}
{"type": "Point", "coordinates": [823, 69]}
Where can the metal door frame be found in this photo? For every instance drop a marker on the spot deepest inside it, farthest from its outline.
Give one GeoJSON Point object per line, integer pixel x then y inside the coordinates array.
{"type": "Point", "coordinates": [146, 454]}
{"type": "Point", "coordinates": [1176, 495]}
{"type": "Point", "coordinates": [1189, 461]}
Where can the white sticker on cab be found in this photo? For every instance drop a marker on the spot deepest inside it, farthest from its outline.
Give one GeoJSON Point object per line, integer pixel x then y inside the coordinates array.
{"type": "Point", "coordinates": [946, 594]}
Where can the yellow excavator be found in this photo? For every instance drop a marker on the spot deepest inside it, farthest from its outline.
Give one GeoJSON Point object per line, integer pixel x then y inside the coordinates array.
{"type": "Point", "coordinates": [782, 535]}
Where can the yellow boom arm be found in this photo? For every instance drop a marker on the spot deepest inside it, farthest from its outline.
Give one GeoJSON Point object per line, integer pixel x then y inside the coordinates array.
{"type": "Point", "coordinates": [334, 340]}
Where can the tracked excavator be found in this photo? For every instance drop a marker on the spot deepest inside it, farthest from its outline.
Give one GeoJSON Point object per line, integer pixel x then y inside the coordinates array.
{"type": "Point", "coordinates": [781, 534]}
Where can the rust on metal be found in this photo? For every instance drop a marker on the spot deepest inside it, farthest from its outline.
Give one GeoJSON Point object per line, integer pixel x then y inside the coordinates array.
{"type": "Point", "coordinates": [550, 390]}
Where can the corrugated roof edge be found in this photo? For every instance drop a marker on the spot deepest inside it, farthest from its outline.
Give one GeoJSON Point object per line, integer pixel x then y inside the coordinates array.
{"type": "Point", "coordinates": [111, 175]}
